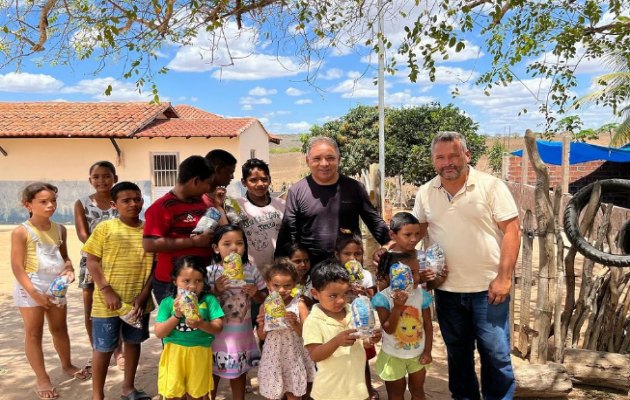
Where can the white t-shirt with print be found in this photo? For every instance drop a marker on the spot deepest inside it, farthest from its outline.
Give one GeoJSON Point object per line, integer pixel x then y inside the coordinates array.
{"type": "Point", "coordinates": [261, 229]}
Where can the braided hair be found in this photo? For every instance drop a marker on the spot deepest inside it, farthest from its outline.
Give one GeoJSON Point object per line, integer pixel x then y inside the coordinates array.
{"type": "Point", "coordinates": [388, 259]}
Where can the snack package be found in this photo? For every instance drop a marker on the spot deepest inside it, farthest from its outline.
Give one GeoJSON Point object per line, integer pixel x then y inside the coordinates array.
{"type": "Point", "coordinates": [208, 222]}
{"type": "Point", "coordinates": [125, 314]}
{"type": "Point", "coordinates": [356, 271]}
{"type": "Point", "coordinates": [188, 304]}
{"type": "Point", "coordinates": [363, 317]}
{"type": "Point", "coordinates": [298, 290]}
{"type": "Point", "coordinates": [422, 259]}
{"type": "Point", "coordinates": [435, 258]}
{"type": "Point", "coordinates": [400, 277]}
{"type": "Point", "coordinates": [58, 289]}
{"type": "Point", "coordinates": [233, 211]}
{"type": "Point", "coordinates": [233, 269]}
{"type": "Point", "coordinates": [274, 313]}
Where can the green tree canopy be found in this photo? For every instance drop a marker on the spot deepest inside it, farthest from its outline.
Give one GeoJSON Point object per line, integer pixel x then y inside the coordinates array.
{"type": "Point", "coordinates": [408, 136]}
{"type": "Point", "coordinates": [521, 39]}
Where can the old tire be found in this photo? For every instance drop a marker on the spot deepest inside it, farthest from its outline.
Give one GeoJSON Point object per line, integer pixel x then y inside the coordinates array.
{"type": "Point", "coordinates": [572, 225]}
{"type": "Point", "coordinates": [624, 238]}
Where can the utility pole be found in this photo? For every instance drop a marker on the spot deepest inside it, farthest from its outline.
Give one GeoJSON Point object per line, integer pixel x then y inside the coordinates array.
{"type": "Point", "coordinates": [381, 103]}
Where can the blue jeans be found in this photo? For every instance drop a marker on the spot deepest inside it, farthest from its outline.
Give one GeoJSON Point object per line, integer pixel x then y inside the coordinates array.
{"type": "Point", "coordinates": [466, 319]}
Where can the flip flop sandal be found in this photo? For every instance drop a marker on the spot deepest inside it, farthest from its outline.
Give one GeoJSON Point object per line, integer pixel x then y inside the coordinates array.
{"type": "Point", "coordinates": [83, 374]}
{"type": "Point", "coordinates": [88, 366]}
{"type": "Point", "coordinates": [136, 395]}
{"type": "Point", "coordinates": [41, 394]}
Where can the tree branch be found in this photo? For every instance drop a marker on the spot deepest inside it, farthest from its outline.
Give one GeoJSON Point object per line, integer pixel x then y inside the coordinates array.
{"type": "Point", "coordinates": [43, 25]}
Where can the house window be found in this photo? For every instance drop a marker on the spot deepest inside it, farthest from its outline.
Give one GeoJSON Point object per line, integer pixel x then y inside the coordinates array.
{"type": "Point", "coordinates": [252, 153]}
{"type": "Point", "coordinates": [164, 169]}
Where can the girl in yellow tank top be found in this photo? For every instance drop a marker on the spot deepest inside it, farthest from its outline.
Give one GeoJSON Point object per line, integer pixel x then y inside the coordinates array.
{"type": "Point", "coordinates": [38, 256]}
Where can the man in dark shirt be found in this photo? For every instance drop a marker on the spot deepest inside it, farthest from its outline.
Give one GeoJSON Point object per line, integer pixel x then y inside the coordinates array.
{"type": "Point", "coordinates": [324, 202]}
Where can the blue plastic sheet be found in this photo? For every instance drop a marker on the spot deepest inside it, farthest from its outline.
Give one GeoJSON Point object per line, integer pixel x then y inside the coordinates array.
{"type": "Point", "coordinates": [551, 153]}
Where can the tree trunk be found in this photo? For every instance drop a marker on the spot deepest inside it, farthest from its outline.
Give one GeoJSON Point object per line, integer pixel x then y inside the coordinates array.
{"type": "Point", "coordinates": [558, 340]}
{"type": "Point", "coordinates": [546, 245]}
{"type": "Point", "coordinates": [542, 381]}
{"type": "Point", "coordinates": [598, 368]}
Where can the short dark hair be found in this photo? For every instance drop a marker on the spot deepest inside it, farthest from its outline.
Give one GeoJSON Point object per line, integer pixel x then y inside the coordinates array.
{"type": "Point", "coordinates": [194, 262]}
{"type": "Point", "coordinates": [401, 219]}
{"type": "Point", "coordinates": [388, 259]}
{"type": "Point", "coordinates": [329, 271]}
{"type": "Point", "coordinates": [104, 164]}
{"type": "Point", "coordinates": [252, 164]}
{"type": "Point", "coordinates": [290, 248]}
{"type": "Point", "coordinates": [120, 186]}
{"type": "Point", "coordinates": [220, 158]}
{"type": "Point", "coordinates": [281, 266]}
{"type": "Point", "coordinates": [194, 167]}
{"type": "Point", "coordinates": [346, 237]}
{"type": "Point", "coordinates": [222, 230]}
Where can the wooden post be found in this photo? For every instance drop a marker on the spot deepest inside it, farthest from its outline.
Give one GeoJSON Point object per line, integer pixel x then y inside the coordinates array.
{"type": "Point", "coordinates": [526, 282]}
{"type": "Point", "coordinates": [546, 245]}
{"type": "Point", "coordinates": [524, 168]}
{"type": "Point", "coordinates": [505, 167]}
{"type": "Point", "coordinates": [541, 381]}
{"type": "Point", "coordinates": [558, 340]}
{"type": "Point", "coordinates": [566, 168]}
{"type": "Point", "coordinates": [598, 368]}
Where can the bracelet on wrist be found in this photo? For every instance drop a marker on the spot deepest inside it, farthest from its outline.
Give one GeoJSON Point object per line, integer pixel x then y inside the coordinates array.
{"type": "Point", "coordinates": [105, 287]}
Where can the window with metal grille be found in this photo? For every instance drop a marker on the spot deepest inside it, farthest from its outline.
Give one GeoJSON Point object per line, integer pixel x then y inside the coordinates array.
{"type": "Point", "coordinates": [164, 169]}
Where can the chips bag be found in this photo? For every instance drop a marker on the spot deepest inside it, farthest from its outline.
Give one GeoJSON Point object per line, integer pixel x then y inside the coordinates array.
{"type": "Point", "coordinates": [422, 259]}
{"type": "Point", "coordinates": [363, 316]}
{"type": "Point", "coordinates": [355, 270]}
{"type": "Point", "coordinates": [125, 314]}
{"type": "Point", "coordinates": [298, 290]}
{"type": "Point", "coordinates": [233, 211]}
{"type": "Point", "coordinates": [58, 289]}
{"type": "Point", "coordinates": [275, 312]}
{"type": "Point", "coordinates": [208, 222]}
{"type": "Point", "coordinates": [435, 258]}
{"type": "Point", "coordinates": [188, 304]}
{"type": "Point", "coordinates": [233, 269]}
{"type": "Point", "coordinates": [400, 277]}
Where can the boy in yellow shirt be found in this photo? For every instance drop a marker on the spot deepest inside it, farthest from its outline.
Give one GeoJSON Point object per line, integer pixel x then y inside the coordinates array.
{"type": "Point", "coordinates": [328, 337]}
{"type": "Point", "coordinates": [122, 272]}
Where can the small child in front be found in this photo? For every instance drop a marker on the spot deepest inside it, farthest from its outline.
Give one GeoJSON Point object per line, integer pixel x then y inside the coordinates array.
{"type": "Point", "coordinates": [186, 362]}
{"type": "Point", "coordinates": [328, 337]}
{"type": "Point", "coordinates": [408, 338]}
{"type": "Point", "coordinates": [122, 272]}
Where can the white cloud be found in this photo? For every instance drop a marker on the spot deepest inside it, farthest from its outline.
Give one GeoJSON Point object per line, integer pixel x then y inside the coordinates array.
{"type": "Point", "coordinates": [406, 99]}
{"type": "Point", "coordinates": [299, 126]}
{"type": "Point", "coordinates": [238, 60]}
{"type": "Point", "coordinates": [29, 83]}
{"type": "Point", "coordinates": [255, 100]}
{"type": "Point", "coordinates": [194, 98]}
{"type": "Point", "coordinates": [443, 75]}
{"type": "Point", "coordinates": [246, 107]}
{"type": "Point", "coordinates": [358, 88]}
{"type": "Point", "coordinates": [275, 113]}
{"type": "Point", "coordinates": [303, 101]}
{"type": "Point", "coordinates": [263, 120]}
{"type": "Point", "coordinates": [295, 92]}
{"type": "Point", "coordinates": [121, 91]}
{"type": "Point", "coordinates": [325, 119]}
{"type": "Point", "coordinates": [181, 98]}
{"type": "Point", "coordinates": [331, 73]}
{"type": "Point", "coordinates": [261, 91]}
{"type": "Point", "coordinates": [354, 74]}
{"type": "Point", "coordinates": [579, 63]}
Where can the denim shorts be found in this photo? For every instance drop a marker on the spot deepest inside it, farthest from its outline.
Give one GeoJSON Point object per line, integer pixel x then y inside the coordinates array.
{"type": "Point", "coordinates": [106, 332]}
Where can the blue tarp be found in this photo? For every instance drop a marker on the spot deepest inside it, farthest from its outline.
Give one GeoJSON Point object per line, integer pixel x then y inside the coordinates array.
{"type": "Point", "coordinates": [551, 153]}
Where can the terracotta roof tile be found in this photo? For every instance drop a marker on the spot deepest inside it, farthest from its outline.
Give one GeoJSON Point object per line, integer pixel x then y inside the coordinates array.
{"type": "Point", "coordinates": [190, 112]}
{"type": "Point", "coordinates": [217, 127]}
{"type": "Point", "coordinates": [274, 138]}
{"type": "Point", "coordinates": [62, 119]}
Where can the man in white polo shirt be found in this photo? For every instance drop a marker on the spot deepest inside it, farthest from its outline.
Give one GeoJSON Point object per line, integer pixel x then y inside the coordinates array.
{"type": "Point", "coordinates": [473, 216]}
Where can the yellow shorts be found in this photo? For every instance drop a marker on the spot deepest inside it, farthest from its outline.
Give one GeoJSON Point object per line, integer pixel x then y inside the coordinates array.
{"type": "Point", "coordinates": [390, 368]}
{"type": "Point", "coordinates": [185, 370]}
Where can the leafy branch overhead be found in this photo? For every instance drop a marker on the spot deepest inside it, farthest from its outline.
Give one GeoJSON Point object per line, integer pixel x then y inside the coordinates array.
{"type": "Point", "coordinates": [521, 38]}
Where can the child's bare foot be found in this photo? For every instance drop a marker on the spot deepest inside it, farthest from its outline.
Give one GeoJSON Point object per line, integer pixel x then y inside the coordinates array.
{"type": "Point", "coordinates": [120, 361]}
{"type": "Point", "coordinates": [45, 390]}
{"type": "Point", "coordinates": [80, 374]}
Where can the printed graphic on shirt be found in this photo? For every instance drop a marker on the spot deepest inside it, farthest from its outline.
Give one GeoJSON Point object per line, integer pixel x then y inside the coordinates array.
{"type": "Point", "coordinates": [256, 229]}
{"type": "Point", "coordinates": [236, 306]}
{"type": "Point", "coordinates": [408, 334]}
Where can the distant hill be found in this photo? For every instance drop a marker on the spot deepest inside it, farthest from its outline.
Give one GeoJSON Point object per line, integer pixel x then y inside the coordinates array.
{"type": "Point", "coordinates": [288, 141]}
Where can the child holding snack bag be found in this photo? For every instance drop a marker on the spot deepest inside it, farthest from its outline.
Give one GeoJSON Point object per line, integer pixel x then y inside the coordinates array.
{"type": "Point", "coordinates": [187, 322]}
{"type": "Point", "coordinates": [234, 351]}
{"type": "Point", "coordinates": [331, 339]}
{"type": "Point", "coordinates": [89, 211]}
{"type": "Point", "coordinates": [349, 251]}
{"type": "Point", "coordinates": [39, 256]}
{"type": "Point", "coordinates": [406, 320]}
{"type": "Point", "coordinates": [300, 259]}
{"type": "Point", "coordinates": [285, 369]}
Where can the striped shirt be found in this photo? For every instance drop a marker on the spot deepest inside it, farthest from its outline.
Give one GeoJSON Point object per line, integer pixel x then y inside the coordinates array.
{"type": "Point", "coordinates": [125, 264]}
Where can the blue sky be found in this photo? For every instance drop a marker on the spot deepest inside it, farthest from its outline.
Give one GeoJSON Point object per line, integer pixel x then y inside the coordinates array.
{"type": "Point", "coordinates": [268, 82]}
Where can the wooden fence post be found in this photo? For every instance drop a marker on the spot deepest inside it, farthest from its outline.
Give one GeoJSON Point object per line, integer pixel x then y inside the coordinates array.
{"type": "Point", "coordinates": [526, 282]}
